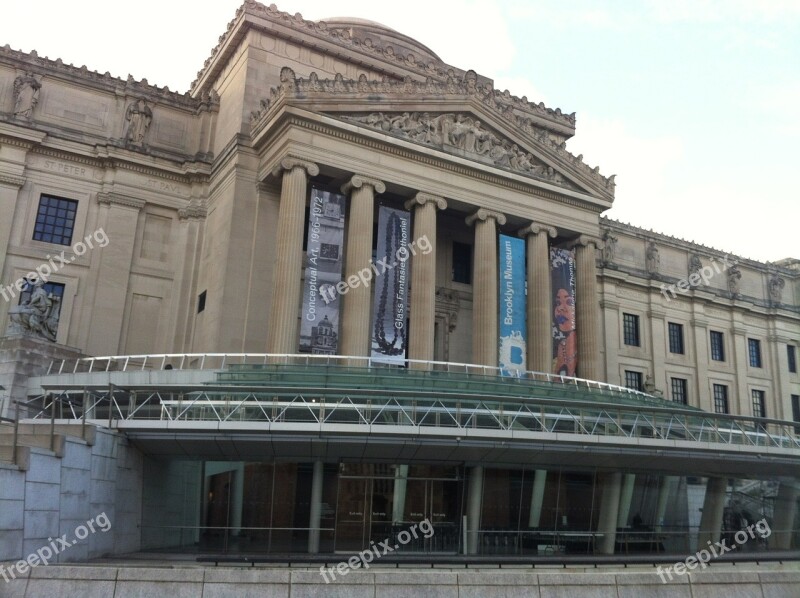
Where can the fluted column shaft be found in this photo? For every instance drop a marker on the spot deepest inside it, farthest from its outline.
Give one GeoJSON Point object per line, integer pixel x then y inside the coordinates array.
{"type": "Point", "coordinates": [540, 297]}
{"type": "Point", "coordinates": [423, 278]}
{"type": "Point", "coordinates": [282, 332]}
{"type": "Point", "coordinates": [484, 287]}
{"type": "Point", "coordinates": [587, 310]}
{"type": "Point", "coordinates": [356, 312]}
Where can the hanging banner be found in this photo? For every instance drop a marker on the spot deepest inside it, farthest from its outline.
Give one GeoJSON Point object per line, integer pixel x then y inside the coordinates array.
{"type": "Point", "coordinates": [319, 328]}
{"type": "Point", "coordinates": [389, 329]}
{"type": "Point", "coordinates": [565, 343]}
{"type": "Point", "coordinates": [513, 330]}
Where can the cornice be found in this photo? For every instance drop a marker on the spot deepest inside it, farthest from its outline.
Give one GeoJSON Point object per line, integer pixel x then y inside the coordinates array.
{"type": "Point", "coordinates": [341, 36]}
{"type": "Point", "coordinates": [192, 211]}
{"type": "Point", "coordinates": [442, 162]}
{"type": "Point", "coordinates": [33, 63]}
{"type": "Point", "coordinates": [12, 181]}
{"type": "Point", "coordinates": [120, 200]}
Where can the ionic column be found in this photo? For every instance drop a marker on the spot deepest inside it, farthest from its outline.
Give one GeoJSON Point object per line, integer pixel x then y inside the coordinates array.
{"type": "Point", "coordinates": [484, 287]}
{"type": "Point", "coordinates": [356, 310]}
{"type": "Point", "coordinates": [587, 309]}
{"type": "Point", "coordinates": [713, 510]}
{"type": "Point", "coordinates": [540, 298]}
{"type": "Point", "coordinates": [423, 278]}
{"type": "Point", "coordinates": [282, 332]}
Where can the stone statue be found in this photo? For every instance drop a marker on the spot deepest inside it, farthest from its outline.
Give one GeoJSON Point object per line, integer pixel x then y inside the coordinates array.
{"type": "Point", "coordinates": [38, 316]}
{"type": "Point", "coordinates": [653, 258]}
{"type": "Point", "coordinates": [775, 288]}
{"type": "Point", "coordinates": [734, 277]}
{"type": "Point", "coordinates": [609, 247]}
{"type": "Point", "coordinates": [695, 264]}
{"type": "Point", "coordinates": [26, 95]}
{"type": "Point", "coordinates": [139, 117]}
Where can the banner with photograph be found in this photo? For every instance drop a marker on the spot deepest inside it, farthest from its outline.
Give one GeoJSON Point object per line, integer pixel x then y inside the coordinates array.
{"type": "Point", "coordinates": [565, 342]}
{"type": "Point", "coordinates": [512, 349]}
{"type": "Point", "coordinates": [319, 328]}
{"type": "Point", "coordinates": [390, 306]}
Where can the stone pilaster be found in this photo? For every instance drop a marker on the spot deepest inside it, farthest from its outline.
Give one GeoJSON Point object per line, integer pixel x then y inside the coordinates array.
{"type": "Point", "coordinates": [282, 333]}
{"type": "Point", "coordinates": [423, 278]}
{"type": "Point", "coordinates": [587, 309]}
{"type": "Point", "coordinates": [540, 300]}
{"type": "Point", "coordinates": [356, 310]}
{"type": "Point", "coordinates": [484, 287]}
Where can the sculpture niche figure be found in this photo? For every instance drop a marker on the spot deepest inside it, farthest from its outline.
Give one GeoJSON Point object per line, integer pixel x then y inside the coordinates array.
{"type": "Point", "coordinates": [139, 115]}
{"type": "Point", "coordinates": [26, 95]}
{"type": "Point", "coordinates": [38, 316]}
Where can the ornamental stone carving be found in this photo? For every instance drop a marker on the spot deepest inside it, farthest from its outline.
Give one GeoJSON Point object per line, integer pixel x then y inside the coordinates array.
{"type": "Point", "coordinates": [609, 247]}
{"type": "Point", "coordinates": [653, 258]}
{"type": "Point", "coordinates": [695, 264]}
{"type": "Point", "coordinates": [37, 315]}
{"type": "Point", "coordinates": [139, 116]}
{"type": "Point", "coordinates": [775, 288]}
{"type": "Point", "coordinates": [26, 95]}
{"type": "Point", "coordinates": [461, 134]}
{"type": "Point", "coordinates": [734, 279]}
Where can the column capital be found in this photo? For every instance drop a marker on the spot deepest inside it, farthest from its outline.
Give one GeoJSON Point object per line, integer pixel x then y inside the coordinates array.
{"type": "Point", "coordinates": [534, 229]}
{"type": "Point", "coordinates": [420, 199]}
{"type": "Point", "coordinates": [483, 214]}
{"type": "Point", "coordinates": [585, 241]}
{"type": "Point", "coordinates": [291, 162]}
{"type": "Point", "coordinates": [359, 180]}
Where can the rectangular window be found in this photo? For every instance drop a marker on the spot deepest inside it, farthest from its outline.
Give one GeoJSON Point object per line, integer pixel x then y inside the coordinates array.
{"type": "Point", "coordinates": [720, 398]}
{"type": "Point", "coordinates": [54, 290]}
{"type": "Point", "coordinates": [675, 338]}
{"type": "Point", "coordinates": [633, 380]}
{"type": "Point", "coordinates": [717, 346]}
{"type": "Point", "coordinates": [55, 220]}
{"type": "Point", "coordinates": [759, 407]}
{"type": "Point", "coordinates": [754, 350]}
{"type": "Point", "coordinates": [796, 412]}
{"type": "Point", "coordinates": [201, 302]}
{"type": "Point", "coordinates": [791, 355]}
{"type": "Point", "coordinates": [679, 390]}
{"type": "Point", "coordinates": [462, 263]}
{"type": "Point", "coordinates": [630, 329]}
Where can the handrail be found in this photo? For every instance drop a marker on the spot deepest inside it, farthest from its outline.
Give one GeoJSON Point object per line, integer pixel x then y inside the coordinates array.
{"type": "Point", "coordinates": [346, 360]}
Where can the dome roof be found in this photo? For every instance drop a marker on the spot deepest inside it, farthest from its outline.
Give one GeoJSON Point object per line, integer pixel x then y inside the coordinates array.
{"type": "Point", "coordinates": [365, 29]}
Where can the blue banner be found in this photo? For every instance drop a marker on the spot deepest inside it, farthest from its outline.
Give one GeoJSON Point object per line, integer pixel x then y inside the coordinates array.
{"type": "Point", "coordinates": [512, 350]}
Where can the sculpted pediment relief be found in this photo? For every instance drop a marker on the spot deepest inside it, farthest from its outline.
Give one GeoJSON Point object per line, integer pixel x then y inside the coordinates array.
{"type": "Point", "coordinates": [539, 151]}
{"type": "Point", "coordinates": [460, 134]}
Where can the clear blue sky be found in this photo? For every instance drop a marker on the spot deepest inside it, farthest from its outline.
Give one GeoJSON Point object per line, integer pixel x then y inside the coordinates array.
{"type": "Point", "coordinates": [694, 104]}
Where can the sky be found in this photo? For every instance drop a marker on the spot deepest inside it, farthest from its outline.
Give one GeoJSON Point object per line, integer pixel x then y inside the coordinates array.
{"type": "Point", "coordinates": [693, 104]}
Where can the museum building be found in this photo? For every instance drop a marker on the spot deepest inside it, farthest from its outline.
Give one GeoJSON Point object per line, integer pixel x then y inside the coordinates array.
{"type": "Point", "coordinates": [340, 287]}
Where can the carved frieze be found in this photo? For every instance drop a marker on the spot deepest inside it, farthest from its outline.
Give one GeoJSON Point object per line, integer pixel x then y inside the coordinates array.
{"type": "Point", "coordinates": [461, 134]}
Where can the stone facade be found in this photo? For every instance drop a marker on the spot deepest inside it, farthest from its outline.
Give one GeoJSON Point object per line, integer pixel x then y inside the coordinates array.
{"type": "Point", "coordinates": [201, 197]}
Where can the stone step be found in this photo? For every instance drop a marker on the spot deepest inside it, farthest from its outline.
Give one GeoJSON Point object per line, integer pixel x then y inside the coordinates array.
{"type": "Point", "coordinates": [23, 456]}
{"type": "Point", "coordinates": [35, 440]}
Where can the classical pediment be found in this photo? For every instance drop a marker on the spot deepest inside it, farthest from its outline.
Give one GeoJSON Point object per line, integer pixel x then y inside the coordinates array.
{"type": "Point", "coordinates": [460, 134]}
{"type": "Point", "coordinates": [490, 127]}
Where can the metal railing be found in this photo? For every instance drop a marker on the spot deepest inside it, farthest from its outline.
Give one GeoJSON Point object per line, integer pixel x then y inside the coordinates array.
{"type": "Point", "coordinates": [220, 361]}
